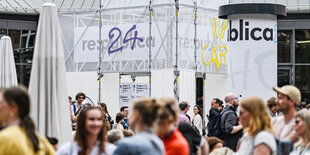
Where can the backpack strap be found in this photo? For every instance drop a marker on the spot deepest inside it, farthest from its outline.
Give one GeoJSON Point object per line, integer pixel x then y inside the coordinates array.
{"type": "Point", "coordinates": [74, 108]}
{"type": "Point", "coordinates": [76, 113]}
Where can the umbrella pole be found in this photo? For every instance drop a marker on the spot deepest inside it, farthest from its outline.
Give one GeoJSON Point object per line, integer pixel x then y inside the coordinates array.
{"type": "Point", "coordinates": [100, 74]}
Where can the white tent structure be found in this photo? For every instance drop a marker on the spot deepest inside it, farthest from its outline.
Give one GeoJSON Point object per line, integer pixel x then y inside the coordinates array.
{"type": "Point", "coordinates": [47, 88]}
{"type": "Point", "coordinates": [8, 76]}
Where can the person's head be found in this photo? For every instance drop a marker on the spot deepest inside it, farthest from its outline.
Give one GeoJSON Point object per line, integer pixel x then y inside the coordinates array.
{"type": "Point", "coordinates": [184, 106]}
{"type": "Point", "coordinates": [214, 143]}
{"type": "Point", "coordinates": [167, 116]}
{"type": "Point", "coordinates": [15, 107]}
{"type": "Point", "coordinates": [53, 141]}
{"type": "Point", "coordinates": [143, 114]}
{"type": "Point", "coordinates": [197, 110]}
{"type": "Point", "coordinates": [308, 107]}
{"type": "Point", "coordinates": [125, 111]}
{"type": "Point", "coordinates": [302, 125]}
{"type": "Point", "coordinates": [288, 98]}
{"type": "Point", "coordinates": [104, 108]}
{"type": "Point", "coordinates": [216, 103]}
{"type": "Point", "coordinates": [90, 123]}
{"type": "Point", "coordinates": [231, 100]}
{"type": "Point", "coordinates": [272, 104]}
{"type": "Point", "coordinates": [254, 116]}
{"type": "Point", "coordinates": [70, 100]}
{"type": "Point", "coordinates": [114, 135]}
{"type": "Point", "coordinates": [303, 105]}
{"type": "Point", "coordinates": [88, 105]}
{"type": "Point", "coordinates": [128, 133]}
{"type": "Point", "coordinates": [80, 97]}
{"type": "Point", "coordinates": [119, 117]}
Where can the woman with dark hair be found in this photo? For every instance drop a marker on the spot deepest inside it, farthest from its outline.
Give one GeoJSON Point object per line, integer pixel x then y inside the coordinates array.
{"type": "Point", "coordinates": [197, 119]}
{"type": "Point", "coordinates": [109, 120]}
{"type": "Point", "coordinates": [142, 118]}
{"type": "Point", "coordinates": [90, 135]}
{"type": "Point", "coordinates": [119, 118]}
{"type": "Point", "coordinates": [19, 136]}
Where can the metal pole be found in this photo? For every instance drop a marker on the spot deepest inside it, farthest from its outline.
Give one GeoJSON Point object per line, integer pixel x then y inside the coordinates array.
{"type": "Point", "coordinates": [176, 71]}
{"type": "Point", "coordinates": [150, 41]}
{"type": "Point", "coordinates": [195, 37]}
{"type": "Point", "coordinates": [100, 53]}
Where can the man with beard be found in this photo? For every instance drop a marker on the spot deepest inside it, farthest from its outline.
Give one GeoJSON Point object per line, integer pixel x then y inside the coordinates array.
{"type": "Point", "coordinates": [288, 98]}
{"type": "Point", "coordinates": [232, 130]}
{"type": "Point", "coordinates": [214, 118]}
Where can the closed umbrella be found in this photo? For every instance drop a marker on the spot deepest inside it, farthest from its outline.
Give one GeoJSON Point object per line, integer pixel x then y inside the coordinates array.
{"type": "Point", "coordinates": [47, 87]}
{"type": "Point", "coordinates": [8, 76]}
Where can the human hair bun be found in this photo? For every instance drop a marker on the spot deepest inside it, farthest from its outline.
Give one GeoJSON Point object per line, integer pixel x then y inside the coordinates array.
{"type": "Point", "coordinates": [148, 110]}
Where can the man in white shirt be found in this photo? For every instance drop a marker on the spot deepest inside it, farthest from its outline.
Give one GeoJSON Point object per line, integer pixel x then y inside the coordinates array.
{"type": "Point", "coordinates": [288, 98]}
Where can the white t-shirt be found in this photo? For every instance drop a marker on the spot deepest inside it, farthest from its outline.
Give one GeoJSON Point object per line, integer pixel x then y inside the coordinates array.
{"type": "Point", "coordinates": [73, 148]}
{"type": "Point", "coordinates": [282, 129]}
{"type": "Point", "coordinates": [197, 121]}
{"type": "Point", "coordinates": [248, 143]}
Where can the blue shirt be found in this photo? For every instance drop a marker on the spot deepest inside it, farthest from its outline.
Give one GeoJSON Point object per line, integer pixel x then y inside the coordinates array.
{"type": "Point", "coordinates": [143, 143]}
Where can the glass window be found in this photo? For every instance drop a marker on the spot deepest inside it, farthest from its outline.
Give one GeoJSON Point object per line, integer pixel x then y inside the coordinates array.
{"type": "Point", "coordinates": [283, 77]}
{"type": "Point", "coordinates": [284, 46]}
{"type": "Point", "coordinates": [302, 46]}
{"type": "Point", "coordinates": [303, 80]}
{"type": "Point", "coordinates": [15, 37]}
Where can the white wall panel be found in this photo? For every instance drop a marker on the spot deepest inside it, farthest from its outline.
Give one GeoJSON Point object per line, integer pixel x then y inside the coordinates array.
{"type": "Point", "coordinates": [162, 83]}
{"type": "Point", "coordinates": [187, 89]}
{"type": "Point", "coordinates": [83, 82]}
{"type": "Point", "coordinates": [87, 82]}
{"type": "Point", "coordinates": [110, 92]}
{"type": "Point", "coordinates": [215, 86]}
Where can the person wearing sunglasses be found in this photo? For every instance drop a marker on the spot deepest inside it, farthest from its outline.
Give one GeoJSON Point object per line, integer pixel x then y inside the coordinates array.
{"type": "Point", "coordinates": [302, 129]}
{"type": "Point", "coordinates": [76, 108]}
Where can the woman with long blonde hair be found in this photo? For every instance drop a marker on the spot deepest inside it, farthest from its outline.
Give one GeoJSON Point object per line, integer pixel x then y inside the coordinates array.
{"type": "Point", "coordinates": [258, 138]}
{"type": "Point", "coordinates": [302, 128]}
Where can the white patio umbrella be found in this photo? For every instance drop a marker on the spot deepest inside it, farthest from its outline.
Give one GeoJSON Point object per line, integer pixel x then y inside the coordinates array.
{"type": "Point", "coordinates": [48, 87]}
{"type": "Point", "coordinates": [8, 76]}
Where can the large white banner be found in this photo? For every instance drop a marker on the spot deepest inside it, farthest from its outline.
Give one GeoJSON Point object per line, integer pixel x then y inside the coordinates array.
{"type": "Point", "coordinates": [211, 44]}
{"type": "Point", "coordinates": [120, 42]}
{"type": "Point", "coordinates": [252, 42]}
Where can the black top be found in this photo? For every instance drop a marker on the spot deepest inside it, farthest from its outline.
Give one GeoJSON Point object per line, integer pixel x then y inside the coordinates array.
{"type": "Point", "coordinates": [251, 8]}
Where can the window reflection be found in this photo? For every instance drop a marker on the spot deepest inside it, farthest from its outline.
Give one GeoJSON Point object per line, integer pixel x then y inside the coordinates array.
{"type": "Point", "coordinates": [303, 80]}
{"type": "Point", "coordinates": [302, 46]}
{"type": "Point", "coordinates": [23, 43]}
{"type": "Point", "coordinates": [284, 46]}
{"type": "Point", "coordinates": [283, 77]}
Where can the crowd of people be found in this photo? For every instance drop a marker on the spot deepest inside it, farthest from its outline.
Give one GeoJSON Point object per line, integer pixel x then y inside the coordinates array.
{"type": "Point", "coordinates": [162, 126]}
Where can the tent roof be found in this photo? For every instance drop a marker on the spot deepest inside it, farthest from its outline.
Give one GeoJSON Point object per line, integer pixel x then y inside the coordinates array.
{"type": "Point", "coordinates": [33, 6]}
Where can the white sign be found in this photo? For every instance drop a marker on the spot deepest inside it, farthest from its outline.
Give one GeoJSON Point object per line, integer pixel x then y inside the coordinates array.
{"type": "Point", "coordinates": [140, 90]}
{"type": "Point", "coordinates": [252, 42]}
{"type": "Point", "coordinates": [130, 91]}
{"type": "Point", "coordinates": [125, 94]}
